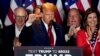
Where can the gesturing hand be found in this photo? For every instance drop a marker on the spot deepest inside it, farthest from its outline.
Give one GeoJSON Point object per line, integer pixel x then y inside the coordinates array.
{"type": "Point", "coordinates": [31, 18]}
{"type": "Point", "coordinates": [16, 42]}
{"type": "Point", "coordinates": [71, 30]}
{"type": "Point", "coordinates": [89, 33]}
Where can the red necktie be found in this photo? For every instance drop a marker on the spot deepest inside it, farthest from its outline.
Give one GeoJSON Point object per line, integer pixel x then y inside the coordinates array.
{"type": "Point", "coordinates": [51, 38]}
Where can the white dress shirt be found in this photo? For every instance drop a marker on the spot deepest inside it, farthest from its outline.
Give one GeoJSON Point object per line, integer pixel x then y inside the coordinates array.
{"type": "Point", "coordinates": [52, 30]}
{"type": "Point", "coordinates": [17, 31]}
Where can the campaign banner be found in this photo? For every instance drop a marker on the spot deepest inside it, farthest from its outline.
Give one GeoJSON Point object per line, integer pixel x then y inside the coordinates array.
{"type": "Point", "coordinates": [47, 51]}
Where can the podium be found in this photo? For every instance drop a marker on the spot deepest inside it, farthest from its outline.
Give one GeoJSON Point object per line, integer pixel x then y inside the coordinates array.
{"type": "Point", "coordinates": [47, 51]}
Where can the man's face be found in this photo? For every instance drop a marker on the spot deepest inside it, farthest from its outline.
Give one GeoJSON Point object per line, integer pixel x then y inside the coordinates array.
{"type": "Point", "coordinates": [73, 18]}
{"type": "Point", "coordinates": [37, 11]}
{"type": "Point", "coordinates": [20, 17]}
{"type": "Point", "coordinates": [48, 16]}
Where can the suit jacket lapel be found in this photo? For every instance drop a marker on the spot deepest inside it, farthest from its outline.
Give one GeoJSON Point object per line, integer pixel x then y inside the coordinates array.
{"type": "Point", "coordinates": [13, 31]}
{"type": "Point", "coordinates": [56, 28]}
{"type": "Point", "coordinates": [44, 32]}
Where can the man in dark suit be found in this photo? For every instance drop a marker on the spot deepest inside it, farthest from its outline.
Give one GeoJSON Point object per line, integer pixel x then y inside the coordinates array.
{"type": "Point", "coordinates": [45, 32]}
{"type": "Point", "coordinates": [12, 32]}
{"type": "Point", "coordinates": [72, 26]}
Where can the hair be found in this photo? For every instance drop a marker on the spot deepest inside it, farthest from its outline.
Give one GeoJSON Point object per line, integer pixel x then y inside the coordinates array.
{"type": "Point", "coordinates": [75, 9]}
{"type": "Point", "coordinates": [89, 11]}
{"type": "Point", "coordinates": [49, 6]}
{"type": "Point", "coordinates": [20, 8]}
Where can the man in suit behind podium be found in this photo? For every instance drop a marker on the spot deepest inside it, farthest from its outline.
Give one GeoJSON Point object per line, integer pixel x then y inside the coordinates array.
{"type": "Point", "coordinates": [45, 32]}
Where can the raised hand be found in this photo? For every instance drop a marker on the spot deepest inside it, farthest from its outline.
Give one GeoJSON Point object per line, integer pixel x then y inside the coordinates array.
{"type": "Point", "coordinates": [89, 33]}
{"type": "Point", "coordinates": [72, 30]}
{"type": "Point", "coordinates": [16, 42]}
{"type": "Point", "coordinates": [31, 18]}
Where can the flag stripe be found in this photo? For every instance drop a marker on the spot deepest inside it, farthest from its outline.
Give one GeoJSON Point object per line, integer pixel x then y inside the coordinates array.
{"type": "Point", "coordinates": [80, 5]}
{"type": "Point", "coordinates": [60, 9]}
{"type": "Point", "coordinates": [85, 4]}
{"type": "Point", "coordinates": [7, 21]}
{"type": "Point", "coordinates": [13, 5]}
{"type": "Point", "coordinates": [9, 18]}
{"type": "Point", "coordinates": [33, 4]}
{"type": "Point", "coordinates": [89, 1]}
{"type": "Point", "coordinates": [10, 15]}
{"type": "Point", "coordinates": [57, 17]}
{"type": "Point", "coordinates": [73, 6]}
{"type": "Point", "coordinates": [42, 1]}
{"type": "Point", "coordinates": [39, 2]}
{"type": "Point", "coordinates": [30, 7]}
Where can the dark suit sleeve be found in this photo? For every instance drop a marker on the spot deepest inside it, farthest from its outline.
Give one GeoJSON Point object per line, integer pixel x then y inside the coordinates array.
{"type": "Point", "coordinates": [8, 36]}
{"type": "Point", "coordinates": [63, 38]}
{"type": "Point", "coordinates": [25, 35]}
{"type": "Point", "coordinates": [60, 34]}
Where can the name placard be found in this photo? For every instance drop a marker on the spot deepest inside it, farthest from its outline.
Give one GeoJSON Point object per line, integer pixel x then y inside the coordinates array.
{"type": "Point", "coordinates": [47, 51]}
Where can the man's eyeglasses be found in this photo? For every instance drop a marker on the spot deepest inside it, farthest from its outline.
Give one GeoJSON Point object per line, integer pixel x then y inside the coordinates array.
{"type": "Point", "coordinates": [20, 17]}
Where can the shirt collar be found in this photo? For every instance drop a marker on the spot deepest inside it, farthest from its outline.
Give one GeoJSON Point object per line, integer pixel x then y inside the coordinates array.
{"type": "Point", "coordinates": [45, 24]}
{"type": "Point", "coordinates": [17, 28]}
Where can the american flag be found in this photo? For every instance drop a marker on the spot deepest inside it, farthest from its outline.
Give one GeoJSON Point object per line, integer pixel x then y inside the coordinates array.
{"type": "Point", "coordinates": [59, 13]}
{"type": "Point", "coordinates": [82, 5]}
{"type": "Point", "coordinates": [29, 4]}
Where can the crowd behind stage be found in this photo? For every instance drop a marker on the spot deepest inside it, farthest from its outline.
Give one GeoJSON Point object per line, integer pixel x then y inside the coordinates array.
{"type": "Point", "coordinates": [41, 29]}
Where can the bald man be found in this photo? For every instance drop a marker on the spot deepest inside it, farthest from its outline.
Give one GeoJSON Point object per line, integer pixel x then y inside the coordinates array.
{"type": "Point", "coordinates": [46, 32]}
{"type": "Point", "coordinates": [12, 32]}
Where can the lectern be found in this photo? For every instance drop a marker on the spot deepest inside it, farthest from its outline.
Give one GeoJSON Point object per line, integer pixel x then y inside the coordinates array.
{"type": "Point", "coordinates": [47, 51]}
